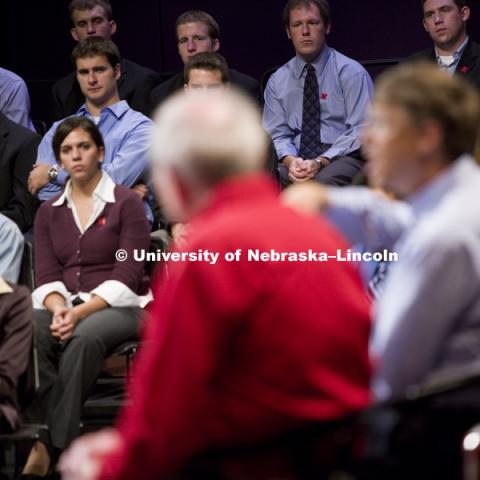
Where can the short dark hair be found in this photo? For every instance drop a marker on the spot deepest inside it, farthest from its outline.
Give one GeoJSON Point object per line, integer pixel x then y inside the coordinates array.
{"type": "Point", "coordinates": [88, 5]}
{"type": "Point", "coordinates": [210, 61]}
{"type": "Point", "coordinates": [96, 46]}
{"type": "Point", "coordinates": [459, 3]}
{"type": "Point", "coordinates": [70, 124]}
{"type": "Point", "coordinates": [202, 17]}
{"type": "Point", "coordinates": [322, 5]}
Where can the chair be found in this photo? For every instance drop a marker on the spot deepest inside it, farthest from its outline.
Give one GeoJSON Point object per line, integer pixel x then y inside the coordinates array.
{"type": "Point", "coordinates": [40, 127]}
{"type": "Point", "coordinates": [27, 275]}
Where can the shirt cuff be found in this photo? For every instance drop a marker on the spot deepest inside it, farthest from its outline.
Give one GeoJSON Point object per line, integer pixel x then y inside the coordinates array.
{"type": "Point", "coordinates": [61, 177]}
{"type": "Point", "coordinates": [117, 294]}
{"type": "Point", "coordinates": [41, 293]}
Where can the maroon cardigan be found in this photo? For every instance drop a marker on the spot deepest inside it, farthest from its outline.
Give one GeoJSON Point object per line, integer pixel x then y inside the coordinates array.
{"type": "Point", "coordinates": [83, 262]}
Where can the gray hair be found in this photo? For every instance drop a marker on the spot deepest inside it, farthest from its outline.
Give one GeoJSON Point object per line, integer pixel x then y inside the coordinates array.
{"type": "Point", "coordinates": [208, 137]}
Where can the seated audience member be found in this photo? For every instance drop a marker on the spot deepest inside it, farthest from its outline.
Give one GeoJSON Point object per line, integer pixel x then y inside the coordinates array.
{"type": "Point", "coordinates": [235, 356]}
{"type": "Point", "coordinates": [125, 131]}
{"type": "Point", "coordinates": [317, 136]}
{"type": "Point", "coordinates": [197, 32]}
{"type": "Point", "coordinates": [15, 343]}
{"type": "Point", "coordinates": [210, 70]}
{"type": "Point", "coordinates": [14, 99]}
{"type": "Point", "coordinates": [453, 50]}
{"type": "Point", "coordinates": [86, 302]}
{"type": "Point", "coordinates": [18, 150]}
{"type": "Point", "coordinates": [11, 249]}
{"type": "Point", "coordinates": [94, 18]}
{"type": "Point", "coordinates": [418, 144]}
{"type": "Point", "coordinates": [206, 71]}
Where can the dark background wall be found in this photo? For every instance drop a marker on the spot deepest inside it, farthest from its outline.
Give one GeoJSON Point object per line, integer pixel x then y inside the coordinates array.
{"type": "Point", "coordinates": [36, 43]}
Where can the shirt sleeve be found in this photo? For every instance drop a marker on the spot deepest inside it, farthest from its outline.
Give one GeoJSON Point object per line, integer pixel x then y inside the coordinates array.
{"type": "Point", "coordinates": [17, 108]}
{"type": "Point", "coordinates": [11, 241]}
{"type": "Point", "coordinates": [47, 267]}
{"type": "Point", "coordinates": [45, 155]}
{"type": "Point", "coordinates": [130, 162]}
{"type": "Point", "coordinates": [275, 122]}
{"type": "Point", "coordinates": [425, 297]}
{"type": "Point", "coordinates": [367, 217]}
{"type": "Point", "coordinates": [41, 293]}
{"type": "Point", "coordinates": [357, 92]}
{"type": "Point", "coordinates": [116, 294]}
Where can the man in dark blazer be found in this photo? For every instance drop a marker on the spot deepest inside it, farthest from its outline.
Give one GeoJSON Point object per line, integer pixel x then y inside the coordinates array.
{"type": "Point", "coordinates": [94, 18]}
{"type": "Point", "coordinates": [446, 23]}
{"type": "Point", "coordinates": [18, 151]}
{"type": "Point", "coordinates": [198, 32]}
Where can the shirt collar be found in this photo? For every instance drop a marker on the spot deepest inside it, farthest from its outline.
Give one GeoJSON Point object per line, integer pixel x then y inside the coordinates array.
{"type": "Point", "coordinates": [105, 191]}
{"type": "Point", "coordinates": [319, 62]}
{"type": "Point", "coordinates": [456, 54]}
{"type": "Point", "coordinates": [117, 109]}
{"type": "Point", "coordinates": [429, 196]}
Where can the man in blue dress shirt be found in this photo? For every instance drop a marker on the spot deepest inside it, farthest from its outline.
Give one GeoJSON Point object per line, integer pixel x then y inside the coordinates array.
{"type": "Point", "coordinates": [342, 90]}
{"type": "Point", "coordinates": [126, 132]}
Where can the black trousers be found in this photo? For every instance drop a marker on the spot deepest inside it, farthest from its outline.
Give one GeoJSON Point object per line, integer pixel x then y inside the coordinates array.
{"type": "Point", "coordinates": [68, 371]}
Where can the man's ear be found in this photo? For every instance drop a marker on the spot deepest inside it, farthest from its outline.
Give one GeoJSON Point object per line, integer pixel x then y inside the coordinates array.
{"type": "Point", "coordinates": [216, 45]}
{"type": "Point", "coordinates": [118, 71]}
{"type": "Point", "coordinates": [74, 34]}
{"type": "Point", "coordinates": [329, 28]}
{"type": "Point", "coordinates": [465, 12]}
{"type": "Point", "coordinates": [288, 33]}
{"type": "Point", "coordinates": [113, 26]}
{"type": "Point", "coordinates": [431, 138]}
{"type": "Point", "coordinates": [425, 25]}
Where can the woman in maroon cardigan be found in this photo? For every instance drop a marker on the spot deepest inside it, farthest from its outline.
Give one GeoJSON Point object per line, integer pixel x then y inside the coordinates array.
{"type": "Point", "coordinates": [90, 289]}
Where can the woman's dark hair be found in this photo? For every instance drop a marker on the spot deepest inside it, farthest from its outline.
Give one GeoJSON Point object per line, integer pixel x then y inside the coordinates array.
{"type": "Point", "coordinates": [70, 124]}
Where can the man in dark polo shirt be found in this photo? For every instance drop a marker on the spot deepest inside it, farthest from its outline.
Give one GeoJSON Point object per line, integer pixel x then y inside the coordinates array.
{"type": "Point", "coordinates": [198, 32]}
{"type": "Point", "coordinates": [94, 18]}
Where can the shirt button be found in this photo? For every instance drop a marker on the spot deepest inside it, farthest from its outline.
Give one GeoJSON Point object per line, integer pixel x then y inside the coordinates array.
{"type": "Point", "coordinates": [78, 274]}
{"type": "Point", "coordinates": [78, 252]}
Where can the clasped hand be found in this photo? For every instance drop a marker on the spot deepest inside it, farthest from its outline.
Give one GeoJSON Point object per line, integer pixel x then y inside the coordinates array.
{"type": "Point", "coordinates": [63, 323]}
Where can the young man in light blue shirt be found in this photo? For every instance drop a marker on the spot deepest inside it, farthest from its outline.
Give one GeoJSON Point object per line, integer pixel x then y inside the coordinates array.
{"type": "Point", "coordinates": [126, 132]}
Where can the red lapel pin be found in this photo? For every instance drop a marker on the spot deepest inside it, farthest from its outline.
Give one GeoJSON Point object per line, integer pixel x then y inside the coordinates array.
{"type": "Point", "coordinates": [323, 96]}
{"type": "Point", "coordinates": [465, 69]}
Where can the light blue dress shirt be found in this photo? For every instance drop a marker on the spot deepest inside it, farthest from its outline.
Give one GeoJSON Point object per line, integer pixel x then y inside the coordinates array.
{"type": "Point", "coordinates": [14, 99]}
{"type": "Point", "coordinates": [126, 134]}
{"type": "Point", "coordinates": [11, 249]}
{"type": "Point", "coordinates": [428, 318]}
{"type": "Point", "coordinates": [345, 90]}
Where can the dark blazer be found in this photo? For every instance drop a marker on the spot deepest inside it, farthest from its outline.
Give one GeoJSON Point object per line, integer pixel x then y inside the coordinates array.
{"type": "Point", "coordinates": [134, 86]}
{"type": "Point", "coordinates": [248, 84]}
{"type": "Point", "coordinates": [18, 151]}
{"type": "Point", "coordinates": [468, 66]}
